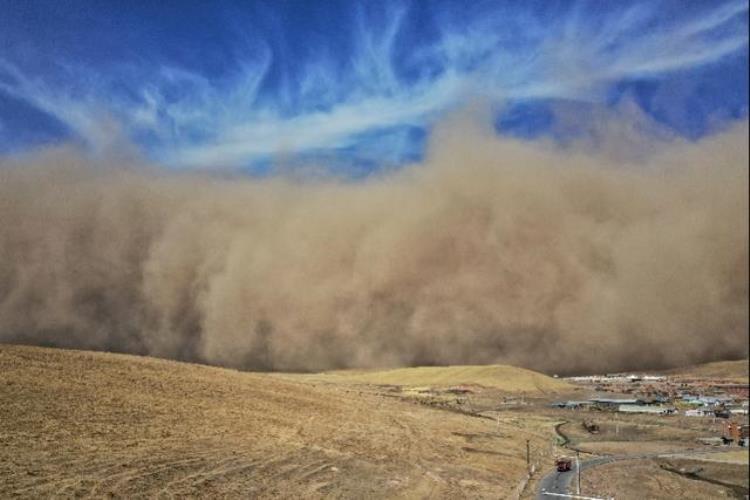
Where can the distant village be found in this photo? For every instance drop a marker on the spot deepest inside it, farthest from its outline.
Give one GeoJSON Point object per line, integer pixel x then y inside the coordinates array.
{"type": "Point", "coordinates": [663, 395]}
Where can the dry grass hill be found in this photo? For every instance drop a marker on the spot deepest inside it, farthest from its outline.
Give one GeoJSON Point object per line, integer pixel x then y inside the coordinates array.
{"type": "Point", "coordinates": [96, 424]}
{"type": "Point", "coordinates": [506, 378]}
{"type": "Point", "coordinates": [727, 370]}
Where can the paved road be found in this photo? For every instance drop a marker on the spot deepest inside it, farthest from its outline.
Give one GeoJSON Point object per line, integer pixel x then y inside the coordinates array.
{"type": "Point", "coordinates": [559, 482]}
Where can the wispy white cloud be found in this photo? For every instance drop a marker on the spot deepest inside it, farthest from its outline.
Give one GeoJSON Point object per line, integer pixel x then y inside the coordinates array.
{"type": "Point", "coordinates": [190, 119]}
{"type": "Point", "coordinates": [81, 114]}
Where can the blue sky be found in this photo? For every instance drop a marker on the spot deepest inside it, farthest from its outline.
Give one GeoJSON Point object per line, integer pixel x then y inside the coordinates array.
{"type": "Point", "coordinates": [238, 84]}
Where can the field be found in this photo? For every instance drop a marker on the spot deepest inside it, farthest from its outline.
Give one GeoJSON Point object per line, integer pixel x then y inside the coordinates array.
{"type": "Point", "coordinates": [81, 423]}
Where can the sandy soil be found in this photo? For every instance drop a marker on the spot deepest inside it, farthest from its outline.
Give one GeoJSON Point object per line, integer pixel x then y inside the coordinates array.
{"type": "Point", "coordinates": [96, 424]}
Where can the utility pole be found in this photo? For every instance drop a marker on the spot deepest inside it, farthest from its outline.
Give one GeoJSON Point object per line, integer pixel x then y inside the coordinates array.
{"type": "Point", "coordinates": [528, 455]}
{"type": "Point", "coordinates": [578, 471]}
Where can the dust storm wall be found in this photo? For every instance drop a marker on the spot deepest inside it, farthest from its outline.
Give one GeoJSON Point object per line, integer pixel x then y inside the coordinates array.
{"type": "Point", "coordinates": [490, 250]}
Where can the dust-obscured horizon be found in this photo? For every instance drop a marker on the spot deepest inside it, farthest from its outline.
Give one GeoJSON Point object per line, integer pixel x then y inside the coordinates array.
{"type": "Point", "coordinates": [491, 250]}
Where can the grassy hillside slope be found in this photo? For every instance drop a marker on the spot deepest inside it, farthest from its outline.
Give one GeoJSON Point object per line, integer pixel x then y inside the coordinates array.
{"type": "Point", "coordinates": [80, 423]}
{"type": "Point", "coordinates": [729, 370]}
{"type": "Point", "coordinates": [507, 378]}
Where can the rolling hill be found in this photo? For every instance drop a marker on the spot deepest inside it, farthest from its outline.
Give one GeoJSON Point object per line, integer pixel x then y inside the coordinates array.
{"type": "Point", "coordinates": [78, 423]}
{"type": "Point", "coordinates": [505, 378]}
{"type": "Point", "coordinates": [726, 370]}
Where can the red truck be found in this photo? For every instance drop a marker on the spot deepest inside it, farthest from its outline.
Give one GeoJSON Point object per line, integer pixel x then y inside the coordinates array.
{"type": "Point", "coordinates": [563, 464]}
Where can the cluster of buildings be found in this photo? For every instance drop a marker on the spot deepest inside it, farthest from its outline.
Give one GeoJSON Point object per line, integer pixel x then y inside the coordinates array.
{"type": "Point", "coordinates": [655, 407]}
{"type": "Point", "coordinates": [661, 395]}
{"type": "Point", "coordinates": [660, 385]}
{"type": "Point", "coordinates": [713, 406]}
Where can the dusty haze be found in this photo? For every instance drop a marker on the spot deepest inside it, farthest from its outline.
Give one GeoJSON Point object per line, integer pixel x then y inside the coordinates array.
{"type": "Point", "coordinates": [491, 250]}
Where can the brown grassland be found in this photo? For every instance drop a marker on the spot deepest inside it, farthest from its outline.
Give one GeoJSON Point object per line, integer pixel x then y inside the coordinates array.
{"type": "Point", "coordinates": [738, 371]}
{"type": "Point", "coordinates": [92, 424]}
{"type": "Point", "coordinates": [506, 378]}
{"type": "Point", "coordinates": [96, 424]}
{"type": "Point", "coordinates": [659, 478]}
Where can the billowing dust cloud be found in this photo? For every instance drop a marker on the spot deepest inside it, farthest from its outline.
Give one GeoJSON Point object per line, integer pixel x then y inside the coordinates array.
{"type": "Point", "coordinates": [491, 250]}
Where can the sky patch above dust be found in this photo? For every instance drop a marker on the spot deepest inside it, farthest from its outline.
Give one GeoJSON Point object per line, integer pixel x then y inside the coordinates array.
{"type": "Point", "coordinates": [360, 84]}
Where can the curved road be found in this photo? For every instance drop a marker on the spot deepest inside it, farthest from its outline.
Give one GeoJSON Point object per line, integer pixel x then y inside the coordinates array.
{"type": "Point", "coordinates": [559, 482]}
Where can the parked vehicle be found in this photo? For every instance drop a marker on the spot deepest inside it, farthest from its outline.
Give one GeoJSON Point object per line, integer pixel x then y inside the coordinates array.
{"type": "Point", "coordinates": [591, 426]}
